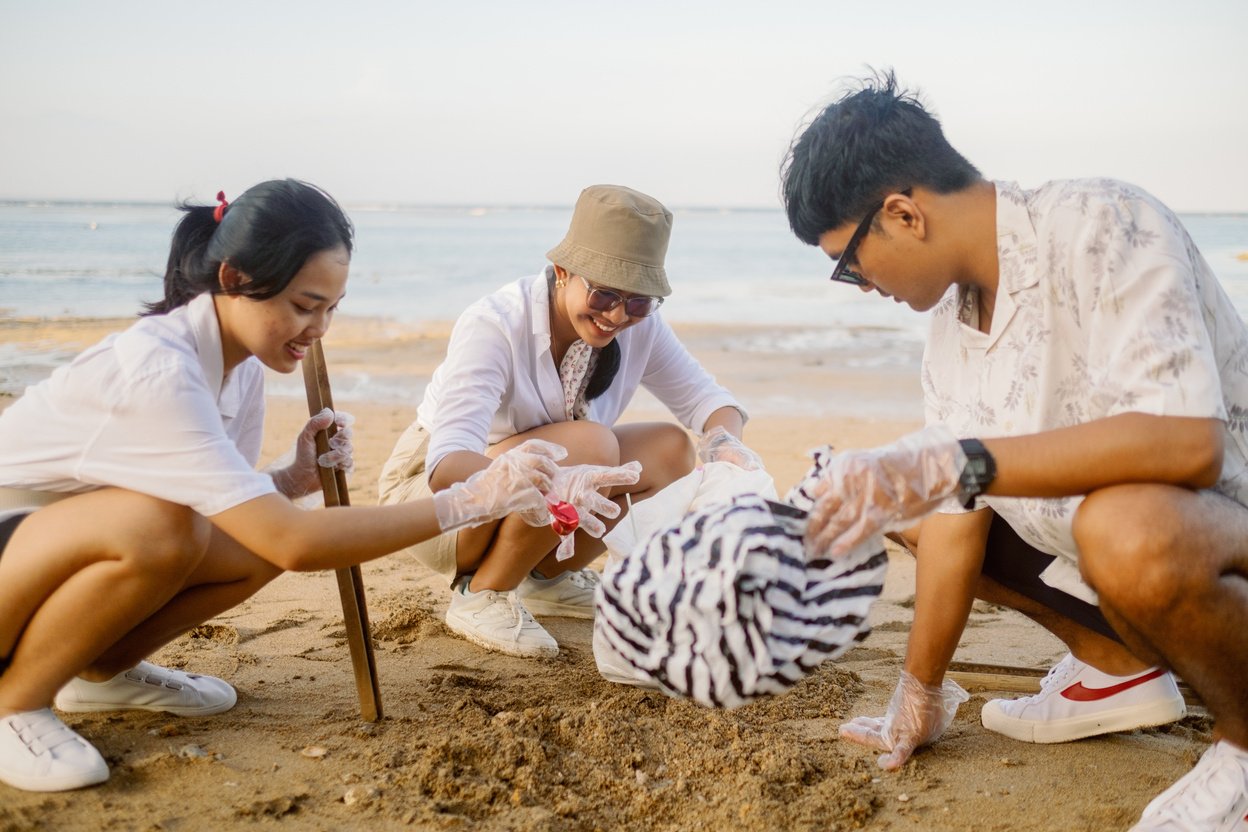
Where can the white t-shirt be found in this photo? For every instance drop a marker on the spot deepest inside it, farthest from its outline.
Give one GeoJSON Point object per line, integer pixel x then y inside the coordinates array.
{"type": "Point", "coordinates": [499, 377]}
{"type": "Point", "coordinates": [1104, 307]}
{"type": "Point", "coordinates": [147, 410]}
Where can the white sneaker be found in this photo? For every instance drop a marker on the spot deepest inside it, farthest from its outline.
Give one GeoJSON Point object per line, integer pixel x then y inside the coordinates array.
{"type": "Point", "coordinates": [1212, 797]}
{"type": "Point", "coordinates": [39, 753]}
{"type": "Point", "coordinates": [498, 621]}
{"type": "Point", "coordinates": [570, 594]}
{"type": "Point", "coordinates": [1077, 700]}
{"type": "Point", "coordinates": [148, 687]}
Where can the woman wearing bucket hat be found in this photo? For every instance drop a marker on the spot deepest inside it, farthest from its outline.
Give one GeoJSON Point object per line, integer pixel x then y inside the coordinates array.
{"type": "Point", "coordinates": [558, 356]}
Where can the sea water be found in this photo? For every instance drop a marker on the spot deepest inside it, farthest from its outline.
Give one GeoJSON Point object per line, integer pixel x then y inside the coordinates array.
{"type": "Point", "coordinates": [419, 264]}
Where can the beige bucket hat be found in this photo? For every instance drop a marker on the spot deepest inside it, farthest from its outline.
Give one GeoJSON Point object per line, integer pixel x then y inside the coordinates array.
{"type": "Point", "coordinates": [618, 239]}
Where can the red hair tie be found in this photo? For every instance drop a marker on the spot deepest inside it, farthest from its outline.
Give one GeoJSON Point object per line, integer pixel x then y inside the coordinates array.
{"type": "Point", "coordinates": [219, 212]}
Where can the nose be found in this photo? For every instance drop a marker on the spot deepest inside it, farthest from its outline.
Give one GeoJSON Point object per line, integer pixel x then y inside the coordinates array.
{"type": "Point", "coordinates": [618, 315]}
{"type": "Point", "coordinates": [320, 324]}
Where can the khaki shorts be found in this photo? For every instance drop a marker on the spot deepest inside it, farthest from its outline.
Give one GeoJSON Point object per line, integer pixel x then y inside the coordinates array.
{"type": "Point", "coordinates": [403, 479]}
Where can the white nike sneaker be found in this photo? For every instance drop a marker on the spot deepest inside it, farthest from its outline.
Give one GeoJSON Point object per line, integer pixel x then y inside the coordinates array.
{"type": "Point", "coordinates": [1076, 700]}
{"type": "Point", "coordinates": [570, 594]}
{"type": "Point", "coordinates": [1212, 797]}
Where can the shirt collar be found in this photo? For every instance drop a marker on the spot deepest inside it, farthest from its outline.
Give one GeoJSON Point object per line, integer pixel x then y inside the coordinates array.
{"type": "Point", "coordinates": [1016, 240]}
{"type": "Point", "coordinates": [539, 302]}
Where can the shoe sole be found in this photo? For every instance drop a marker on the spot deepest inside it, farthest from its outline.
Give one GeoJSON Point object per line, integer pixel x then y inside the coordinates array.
{"type": "Point", "coordinates": [64, 783]}
{"type": "Point", "coordinates": [97, 707]}
{"type": "Point", "coordinates": [1157, 713]}
{"type": "Point", "coordinates": [509, 648]}
{"type": "Point", "coordinates": [554, 609]}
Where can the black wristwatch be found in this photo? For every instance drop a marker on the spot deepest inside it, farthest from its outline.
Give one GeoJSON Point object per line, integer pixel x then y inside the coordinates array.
{"type": "Point", "coordinates": [980, 471]}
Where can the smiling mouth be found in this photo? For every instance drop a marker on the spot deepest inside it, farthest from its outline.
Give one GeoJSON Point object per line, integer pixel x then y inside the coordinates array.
{"type": "Point", "coordinates": [609, 330]}
{"type": "Point", "coordinates": [299, 350]}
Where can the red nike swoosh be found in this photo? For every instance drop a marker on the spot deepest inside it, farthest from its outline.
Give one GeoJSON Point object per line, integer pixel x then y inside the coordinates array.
{"type": "Point", "coordinates": [1079, 693]}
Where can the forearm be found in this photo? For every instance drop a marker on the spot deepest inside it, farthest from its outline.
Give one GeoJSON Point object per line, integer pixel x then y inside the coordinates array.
{"type": "Point", "coordinates": [729, 418]}
{"type": "Point", "coordinates": [1127, 448]}
{"type": "Point", "coordinates": [332, 538]}
{"type": "Point", "coordinates": [950, 557]}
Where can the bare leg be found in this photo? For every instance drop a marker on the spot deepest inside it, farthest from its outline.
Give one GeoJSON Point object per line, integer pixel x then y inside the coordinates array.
{"type": "Point", "coordinates": [1088, 646]}
{"type": "Point", "coordinates": [79, 574]}
{"type": "Point", "coordinates": [228, 575]}
{"type": "Point", "coordinates": [1171, 567]}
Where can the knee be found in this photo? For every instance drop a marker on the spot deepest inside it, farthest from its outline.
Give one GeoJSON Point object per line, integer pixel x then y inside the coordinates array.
{"type": "Point", "coordinates": [670, 454]}
{"type": "Point", "coordinates": [168, 539]}
{"type": "Point", "coordinates": [589, 443]}
{"type": "Point", "coordinates": [1128, 537]}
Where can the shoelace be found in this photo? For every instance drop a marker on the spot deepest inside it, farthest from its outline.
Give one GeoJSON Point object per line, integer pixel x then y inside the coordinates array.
{"type": "Point", "coordinates": [523, 618]}
{"type": "Point", "coordinates": [1058, 675]}
{"type": "Point", "coordinates": [584, 578]}
{"type": "Point", "coordinates": [155, 679]}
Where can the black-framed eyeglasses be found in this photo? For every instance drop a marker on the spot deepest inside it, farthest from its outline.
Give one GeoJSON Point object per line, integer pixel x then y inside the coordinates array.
{"type": "Point", "coordinates": [604, 300]}
{"type": "Point", "coordinates": [844, 273]}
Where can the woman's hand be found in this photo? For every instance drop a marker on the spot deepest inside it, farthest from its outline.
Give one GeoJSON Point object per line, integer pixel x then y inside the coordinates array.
{"type": "Point", "coordinates": [303, 476]}
{"type": "Point", "coordinates": [718, 445]}
{"type": "Point", "coordinates": [515, 482]}
{"type": "Point", "coordinates": [581, 486]}
{"type": "Point", "coordinates": [868, 493]}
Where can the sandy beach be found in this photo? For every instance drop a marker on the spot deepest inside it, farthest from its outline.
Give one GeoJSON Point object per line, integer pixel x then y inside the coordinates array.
{"type": "Point", "coordinates": [478, 740]}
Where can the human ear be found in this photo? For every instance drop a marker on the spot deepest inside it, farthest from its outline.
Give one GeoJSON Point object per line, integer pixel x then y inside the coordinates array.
{"type": "Point", "coordinates": [906, 213]}
{"type": "Point", "coordinates": [230, 278]}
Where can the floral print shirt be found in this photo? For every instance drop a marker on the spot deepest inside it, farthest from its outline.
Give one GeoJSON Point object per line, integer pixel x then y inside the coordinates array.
{"type": "Point", "coordinates": [1104, 306]}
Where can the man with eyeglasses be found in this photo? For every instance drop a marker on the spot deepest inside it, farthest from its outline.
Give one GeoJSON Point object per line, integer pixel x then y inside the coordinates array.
{"type": "Point", "coordinates": [1086, 389]}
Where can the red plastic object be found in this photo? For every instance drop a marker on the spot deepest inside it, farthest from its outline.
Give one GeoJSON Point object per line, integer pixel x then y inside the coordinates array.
{"type": "Point", "coordinates": [566, 518]}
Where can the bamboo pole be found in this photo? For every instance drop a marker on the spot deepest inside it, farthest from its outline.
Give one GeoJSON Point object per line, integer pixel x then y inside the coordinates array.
{"type": "Point", "coordinates": [350, 580]}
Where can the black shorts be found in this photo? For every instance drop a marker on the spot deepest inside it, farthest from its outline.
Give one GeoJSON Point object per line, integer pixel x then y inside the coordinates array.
{"type": "Point", "coordinates": [7, 528]}
{"type": "Point", "coordinates": [1017, 565]}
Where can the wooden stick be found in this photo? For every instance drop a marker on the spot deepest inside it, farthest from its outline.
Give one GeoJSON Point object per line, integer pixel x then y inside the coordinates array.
{"type": "Point", "coordinates": [350, 580]}
{"type": "Point", "coordinates": [976, 676]}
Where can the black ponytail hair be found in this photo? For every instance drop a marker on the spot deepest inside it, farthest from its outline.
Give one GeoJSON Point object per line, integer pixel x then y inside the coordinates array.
{"type": "Point", "coordinates": [268, 234]}
{"type": "Point", "coordinates": [604, 371]}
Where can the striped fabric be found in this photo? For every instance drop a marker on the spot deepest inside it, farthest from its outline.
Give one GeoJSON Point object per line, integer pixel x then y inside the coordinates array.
{"type": "Point", "coordinates": [724, 606]}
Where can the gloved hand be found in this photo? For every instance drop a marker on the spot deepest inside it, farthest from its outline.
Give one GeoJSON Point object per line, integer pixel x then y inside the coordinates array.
{"type": "Point", "coordinates": [718, 445]}
{"type": "Point", "coordinates": [917, 715]}
{"type": "Point", "coordinates": [515, 482]}
{"type": "Point", "coordinates": [868, 493]}
{"type": "Point", "coordinates": [301, 477]}
{"type": "Point", "coordinates": [579, 485]}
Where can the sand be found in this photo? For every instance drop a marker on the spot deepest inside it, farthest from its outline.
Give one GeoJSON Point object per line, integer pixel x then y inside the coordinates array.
{"type": "Point", "coordinates": [477, 740]}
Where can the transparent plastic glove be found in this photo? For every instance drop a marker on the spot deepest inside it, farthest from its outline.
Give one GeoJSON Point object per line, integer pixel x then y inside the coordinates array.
{"type": "Point", "coordinates": [301, 477]}
{"type": "Point", "coordinates": [718, 445]}
{"type": "Point", "coordinates": [868, 493]}
{"type": "Point", "coordinates": [917, 715]}
{"type": "Point", "coordinates": [515, 482]}
{"type": "Point", "coordinates": [580, 485]}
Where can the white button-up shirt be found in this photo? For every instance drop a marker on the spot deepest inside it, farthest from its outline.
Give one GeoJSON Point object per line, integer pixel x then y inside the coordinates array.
{"type": "Point", "coordinates": [148, 410]}
{"type": "Point", "coordinates": [1104, 306]}
{"type": "Point", "coordinates": [499, 377]}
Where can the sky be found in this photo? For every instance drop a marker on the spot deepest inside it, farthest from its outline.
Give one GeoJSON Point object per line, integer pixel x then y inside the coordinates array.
{"type": "Point", "coordinates": [504, 103]}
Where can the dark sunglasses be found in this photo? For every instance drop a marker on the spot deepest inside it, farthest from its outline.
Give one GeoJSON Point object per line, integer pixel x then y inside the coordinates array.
{"type": "Point", "coordinates": [604, 300]}
{"type": "Point", "coordinates": [843, 273]}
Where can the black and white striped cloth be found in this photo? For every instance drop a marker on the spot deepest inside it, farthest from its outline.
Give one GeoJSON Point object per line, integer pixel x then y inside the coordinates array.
{"type": "Point", "coordinates": [724, 606]}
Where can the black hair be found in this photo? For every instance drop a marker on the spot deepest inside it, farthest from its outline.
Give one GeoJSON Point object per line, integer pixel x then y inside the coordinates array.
{"type": "Point", "coordinates": [604, 371]}
{"type": "Point", "coordinates": [268, 233]}
{"type": "Point", "coordinates": [873, 141]}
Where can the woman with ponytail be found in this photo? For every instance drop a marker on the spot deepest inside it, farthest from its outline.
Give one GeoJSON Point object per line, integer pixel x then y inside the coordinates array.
{"type": "Point", "coordinates": [558, 356]}
{"type": "Point", "coordinates": [131, 509]}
